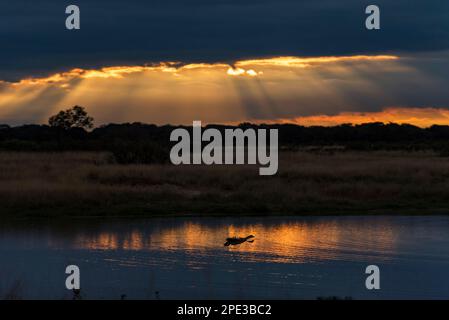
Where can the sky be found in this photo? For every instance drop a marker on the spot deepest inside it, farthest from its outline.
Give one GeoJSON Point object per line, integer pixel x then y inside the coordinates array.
{"type": "Point", "coordinates": [310, 62]}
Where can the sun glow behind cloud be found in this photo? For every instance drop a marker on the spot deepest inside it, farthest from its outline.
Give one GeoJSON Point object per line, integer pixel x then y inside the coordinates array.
{"type": "Point", "coordinates": [299, 62]}
{"type": "Point", "coordinates": [315, 90]}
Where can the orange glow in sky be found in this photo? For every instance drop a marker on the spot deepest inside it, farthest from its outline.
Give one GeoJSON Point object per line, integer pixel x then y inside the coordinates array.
{"type": "Point", "coordinates": [303, 90]}
{"type": "Point", "coordinates": [421, 117]}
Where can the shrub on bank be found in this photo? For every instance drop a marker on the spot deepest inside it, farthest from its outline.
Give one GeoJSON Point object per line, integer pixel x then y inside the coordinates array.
{"type": "Point", "coordinates": [139, 152]}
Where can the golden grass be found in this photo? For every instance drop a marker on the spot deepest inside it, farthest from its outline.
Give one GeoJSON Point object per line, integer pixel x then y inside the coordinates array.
{"type": "Point", "coordinates": [83, 183]}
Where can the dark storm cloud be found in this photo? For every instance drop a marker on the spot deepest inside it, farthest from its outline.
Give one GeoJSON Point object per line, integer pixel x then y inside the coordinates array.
{"type": "Point", "coordinates": [34, 40]}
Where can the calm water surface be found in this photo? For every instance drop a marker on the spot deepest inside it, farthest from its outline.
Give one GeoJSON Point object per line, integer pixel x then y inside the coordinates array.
{"type": "Point", "coordinates": [180, 258]}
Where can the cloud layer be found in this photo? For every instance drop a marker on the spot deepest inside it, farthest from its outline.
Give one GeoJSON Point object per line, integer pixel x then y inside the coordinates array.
{"type": "Point", "coordinates": [134, 32]}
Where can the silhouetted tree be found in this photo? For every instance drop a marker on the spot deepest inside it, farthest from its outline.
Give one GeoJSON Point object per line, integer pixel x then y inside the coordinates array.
{"type": "Point", "coordinates": [75, 117]}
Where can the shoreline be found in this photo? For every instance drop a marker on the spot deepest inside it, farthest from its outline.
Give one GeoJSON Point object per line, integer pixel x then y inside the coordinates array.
{"type": "Point", "coordinates": [335, 213]}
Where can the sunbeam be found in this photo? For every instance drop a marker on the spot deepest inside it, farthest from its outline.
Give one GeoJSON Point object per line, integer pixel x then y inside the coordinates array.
{"type": "Point", "coordinates": [271, 89]}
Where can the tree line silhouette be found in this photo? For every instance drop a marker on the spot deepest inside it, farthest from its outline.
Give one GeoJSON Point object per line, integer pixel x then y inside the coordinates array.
{"type": "Point", "coordinates": [147, 143]}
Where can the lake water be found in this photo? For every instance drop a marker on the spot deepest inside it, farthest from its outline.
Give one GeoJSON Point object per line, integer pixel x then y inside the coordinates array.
{"type": "Point", "coordinates": [184, 258]}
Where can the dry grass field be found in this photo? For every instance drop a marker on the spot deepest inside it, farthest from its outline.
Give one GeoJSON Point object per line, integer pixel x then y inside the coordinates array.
{"type": "Point", "coordinates": [90, 184]}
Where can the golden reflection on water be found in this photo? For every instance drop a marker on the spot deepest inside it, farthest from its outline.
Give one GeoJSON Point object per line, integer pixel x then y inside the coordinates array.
{"type": "Point", "coordinates": [276, 242]}
{"type": "Point", "coordinates": [107, 240]}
